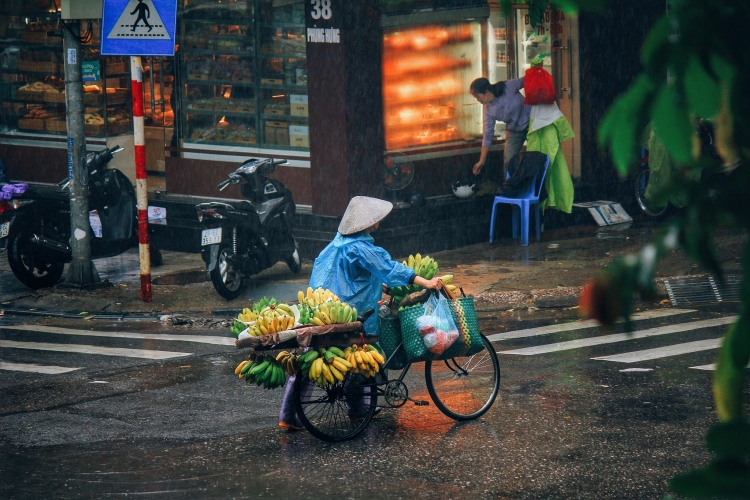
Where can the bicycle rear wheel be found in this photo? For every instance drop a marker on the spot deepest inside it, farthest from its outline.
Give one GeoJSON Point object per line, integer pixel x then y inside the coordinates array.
{"type": "Point", "coordinates": [337, 412]}
{"type": "Point", "coordinates": [464, 388]}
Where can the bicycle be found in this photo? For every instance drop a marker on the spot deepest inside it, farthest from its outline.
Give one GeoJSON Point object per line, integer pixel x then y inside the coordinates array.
{"type": "Point", "coordinates": [462, 388]}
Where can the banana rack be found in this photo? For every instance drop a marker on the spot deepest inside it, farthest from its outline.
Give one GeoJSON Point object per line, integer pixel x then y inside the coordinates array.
{"type": "Point", "coordinates": [308, 336]}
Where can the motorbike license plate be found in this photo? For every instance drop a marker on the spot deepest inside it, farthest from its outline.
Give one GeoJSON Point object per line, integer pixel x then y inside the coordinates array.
{"type": "Point", "coordinates": [211, 236]}
{"type": "Point", "coordinates": [4, 229]}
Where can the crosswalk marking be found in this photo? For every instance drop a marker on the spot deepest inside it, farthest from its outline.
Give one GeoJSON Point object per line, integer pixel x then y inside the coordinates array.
{"type": "Point", "coordinates": [579, 325]}
{"type": "Point", "coordinates": [621, 337]}
{"type": "Point", "coordinates": [90, 349]}
{"type": "Point", "coordinates": [203, 339]}
{"type": "Point", "coordinates": [710, 367]}
{"type": "Point", "coordinates": [663, 352]}
{"type": "Point", "coordinates": [34, 368]}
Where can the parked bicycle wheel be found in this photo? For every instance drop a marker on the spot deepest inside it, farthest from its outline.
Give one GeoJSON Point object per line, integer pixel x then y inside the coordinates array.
{"type": "Point", "coordinates": [337, 412]}
{"type": "Point", "coordinates": [464, 388]}
{"type": "Point", "coordinates": [641, 182]}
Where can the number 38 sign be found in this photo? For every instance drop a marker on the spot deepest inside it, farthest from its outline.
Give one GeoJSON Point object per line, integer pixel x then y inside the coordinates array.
{"type": "Point", "coordinates": [320, 9]}
{"type": "Point", "coordinates": [322, 24]}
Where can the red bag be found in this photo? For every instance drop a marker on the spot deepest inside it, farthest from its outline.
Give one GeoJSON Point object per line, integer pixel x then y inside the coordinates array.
{"type": "Point", "coordinates": [539, 87]}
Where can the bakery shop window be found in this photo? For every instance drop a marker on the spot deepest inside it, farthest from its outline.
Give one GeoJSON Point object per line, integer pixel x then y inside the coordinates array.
{"type": "Point", "coordinates": [32, 85]}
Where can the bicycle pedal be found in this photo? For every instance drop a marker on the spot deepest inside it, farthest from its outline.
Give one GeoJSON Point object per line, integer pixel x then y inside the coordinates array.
{"type": "Point", "coordinates": [421, 403]}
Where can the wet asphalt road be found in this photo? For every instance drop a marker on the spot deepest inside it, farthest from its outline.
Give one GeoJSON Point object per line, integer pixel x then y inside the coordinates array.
{"type": "Point", "coordinates": [563, 426]}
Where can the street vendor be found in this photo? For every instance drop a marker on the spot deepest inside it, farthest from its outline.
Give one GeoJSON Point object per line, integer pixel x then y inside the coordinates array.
{"type": "Point", "coordinates": [503, 102]}
{"type": "Point", "coordinates": [355, 269]}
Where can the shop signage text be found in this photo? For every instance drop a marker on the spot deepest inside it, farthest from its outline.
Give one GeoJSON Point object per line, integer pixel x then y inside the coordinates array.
{"type": "Point", "coordinates": [553, 18]}
{"type": "Point", "coordinates": [323, 35]}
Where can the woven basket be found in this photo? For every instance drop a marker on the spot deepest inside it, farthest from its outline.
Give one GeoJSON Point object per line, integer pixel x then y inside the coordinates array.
{"type": "Point", "coordinates": [470, 339]}
{"type": "Point", "coordinates": [464, 315]}
{"type": "Point", "coordinates": [390, 340]}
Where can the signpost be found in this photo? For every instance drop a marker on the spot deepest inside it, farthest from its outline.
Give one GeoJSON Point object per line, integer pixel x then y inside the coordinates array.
{"type": "Point", "coordinates": [146, 28]}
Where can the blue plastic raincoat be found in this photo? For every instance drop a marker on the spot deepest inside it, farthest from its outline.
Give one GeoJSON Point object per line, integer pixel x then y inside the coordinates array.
{"type": "Point", "coordinates": [355, 269]}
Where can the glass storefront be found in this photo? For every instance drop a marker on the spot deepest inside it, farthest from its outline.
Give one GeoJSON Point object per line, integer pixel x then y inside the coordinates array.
{"type": "Point", "coordinates": [32, 86]}
{"type": "Point", "coordinates": [427, 71]}
{"type": "Point", "coordinates": [244, 74]}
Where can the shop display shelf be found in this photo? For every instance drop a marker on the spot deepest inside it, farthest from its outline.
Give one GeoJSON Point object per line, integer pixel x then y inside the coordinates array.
{"type": "Point", "coordinates": [287, 117]}
{"type": "Point", "coordinates": [282, 55]}
{"type": "Point", "coordinates": [281, 86]}
{"type": "Point", "coordinates": [195, 81]}
{"type": "Point", "coordinates": [222, 112]}
{"type": "Point", "coordinates": [422, 98]}
{"type": "Point", "coordinates": [247, 53]}
{"type": "Point", "coordinates": [432, 121]}
{"type": "Point", "coordinates": [276, 24]}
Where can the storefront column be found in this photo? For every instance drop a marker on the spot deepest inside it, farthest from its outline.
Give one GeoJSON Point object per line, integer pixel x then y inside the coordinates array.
{"type": "Point", "coordinates": [344, 47]}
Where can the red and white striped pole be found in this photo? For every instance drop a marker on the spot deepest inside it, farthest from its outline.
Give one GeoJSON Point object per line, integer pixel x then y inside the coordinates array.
{"type": "Point", "coordinates": [141, 189]}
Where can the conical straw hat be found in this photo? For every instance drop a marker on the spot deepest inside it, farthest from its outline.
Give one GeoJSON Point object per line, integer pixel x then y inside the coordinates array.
{"type": "Point", "coordinates": [362, 213]}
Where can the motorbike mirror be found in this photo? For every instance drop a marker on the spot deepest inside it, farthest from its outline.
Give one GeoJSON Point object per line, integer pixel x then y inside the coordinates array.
{"type": "Point", "coordinates": [116, 149]}
{"type": "Point", "coordinates": [63, 183]}
{"type": "Point", "coordinates": [223, 184]}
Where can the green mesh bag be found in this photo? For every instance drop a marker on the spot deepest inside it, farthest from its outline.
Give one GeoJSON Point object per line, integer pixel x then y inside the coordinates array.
{"type": "Point", "coordinates": [390, 340]}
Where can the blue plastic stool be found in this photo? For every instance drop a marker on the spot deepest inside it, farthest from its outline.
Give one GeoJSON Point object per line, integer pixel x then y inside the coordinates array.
{"type": "Point", "coordinates": [521, 208]}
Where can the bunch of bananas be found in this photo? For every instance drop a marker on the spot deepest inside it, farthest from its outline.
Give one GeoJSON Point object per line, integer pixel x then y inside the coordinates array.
{"type": "Point", "coordinates": [263, 370]}
{"type": "Point", "coordinates": [426, 266]}
{"type": "Point", "coordinates": [365, 360]}
{"type": "Point", "coordinates": [289, 361]}
{"type": "Point", "coordinates": [325, 366]}
{"type": "Point", "coordinates": [237, 328]}
{"type": "Point", "coordinates": [314, 298]}
{"type": "Point", "coordinates": [272, 319]}
{"type": "Point", "coordinates": [333, 311]}
{"type": "Point", "coordinates": [305, 314]}
{"type": "Point", "coordinates": [247, 315]}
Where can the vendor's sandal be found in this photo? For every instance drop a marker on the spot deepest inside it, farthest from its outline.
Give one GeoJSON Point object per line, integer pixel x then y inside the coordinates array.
{"type": "Point", "coordinates": [290, 427]}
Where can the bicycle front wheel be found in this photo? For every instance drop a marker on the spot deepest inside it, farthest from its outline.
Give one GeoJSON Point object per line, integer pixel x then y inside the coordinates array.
{"type": "Point", "coordinates": [338, 411]}
{"type": "Point", "coordinates": [464, 388]}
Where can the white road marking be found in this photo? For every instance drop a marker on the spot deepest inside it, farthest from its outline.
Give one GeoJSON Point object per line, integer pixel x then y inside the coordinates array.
{"type": "Point", "coordinates": [621, 337]}
{"type": "Point", "coordinates": [663, 352]}
{"type": "Point", "coordinates": [710, 367]}
{"type": "Point", "coordinates": [202, 339]}
{"type": "Point", "coordinates": [90, 349]}
{"type": "Point", "coordinates": [34, 368]}
{"type": "Point", "coordinates": [578, 325]}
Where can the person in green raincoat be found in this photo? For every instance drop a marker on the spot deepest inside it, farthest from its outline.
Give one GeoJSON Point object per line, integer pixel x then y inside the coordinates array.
{"type": "Point", "coordinates": [548, 128]}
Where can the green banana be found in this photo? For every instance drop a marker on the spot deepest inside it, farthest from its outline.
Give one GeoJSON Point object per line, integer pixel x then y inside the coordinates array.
{"type": "Point", "coordinates": [336, 351]}
{"type": "Point", "coordinates": [259, 368]}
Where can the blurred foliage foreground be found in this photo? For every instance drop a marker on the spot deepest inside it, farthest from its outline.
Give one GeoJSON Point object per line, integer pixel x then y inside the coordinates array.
{"type": "Point", "coordinates": [704, 47]}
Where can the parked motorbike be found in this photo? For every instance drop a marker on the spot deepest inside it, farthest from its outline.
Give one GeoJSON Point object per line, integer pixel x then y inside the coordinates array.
{"type": "Point", "coordinates": [37, 225]}
{"type": "Point", "coordinates": [705, 134]}
{"type": "Point", "coordinates": [243, 240]}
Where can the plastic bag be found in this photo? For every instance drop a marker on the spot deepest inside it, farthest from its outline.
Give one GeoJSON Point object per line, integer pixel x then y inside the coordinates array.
{"type": "Point", "coordinates": [538, 86]}
{"type": "Point", "coordinates": [436, 325]}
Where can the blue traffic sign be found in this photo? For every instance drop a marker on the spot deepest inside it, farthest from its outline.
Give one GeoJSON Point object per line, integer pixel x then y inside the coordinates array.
{"type": "Point", "coordinates": [138, 27]}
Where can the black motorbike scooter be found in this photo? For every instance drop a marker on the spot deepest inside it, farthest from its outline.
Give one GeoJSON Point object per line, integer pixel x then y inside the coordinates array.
{"type": "Point", "coordinates": [39, 235]}
{"type": "Point", "coordinates": [242, 240]}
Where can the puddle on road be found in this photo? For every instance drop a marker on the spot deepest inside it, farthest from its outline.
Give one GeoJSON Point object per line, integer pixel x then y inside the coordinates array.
{"type": "Point", "coordinates": [181, 279]}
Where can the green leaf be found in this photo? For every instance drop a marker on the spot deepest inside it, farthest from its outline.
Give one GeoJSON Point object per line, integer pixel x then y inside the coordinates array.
{"type": "Point", "coordinates": [673, 125]}
{"type": "Point", "coordinates": [721, 479]}
{"type": "Point", "coordinates": [728, 378]}
{"type": "Point", "coordinates": [730, 439]}
{"type": "Point", "coordinates": [702, 92]}
{"type": "Point", "coordinates": [656, 40]}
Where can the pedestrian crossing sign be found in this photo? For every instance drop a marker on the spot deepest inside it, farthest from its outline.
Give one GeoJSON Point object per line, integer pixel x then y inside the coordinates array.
{"type": "Point", "coordinates": [138, 27]}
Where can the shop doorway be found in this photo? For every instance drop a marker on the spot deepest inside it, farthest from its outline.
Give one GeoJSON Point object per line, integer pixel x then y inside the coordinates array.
{"type": "Point", "coordinates": [556, 41]}
{"type": "Point", "coordinates": [158, 87]}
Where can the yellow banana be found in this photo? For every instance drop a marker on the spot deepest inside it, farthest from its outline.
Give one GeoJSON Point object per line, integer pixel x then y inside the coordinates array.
{"type": "Point", "coordinates": [327, 373]}
{"type": "Point", "coordinates": [263, 330]}
{"type": "Point", "coordinates": [378, 357]}
{"type": "Point", "coordinates": [324, 309]}
{"type": "Point", "coordinates": [339, 364]}
{"type": "Point", "coordinates": [410, 262]}
{"type": "Point", "coordinates": [336, 373]}
{"type": "Point", "coordinates": [240, 367]}
{"type": "Point", "coordinates": [282, 355]}
{"type": "Point", "coordinates": [317, 321]}
{"type": "Point", "coordinates": [309, 292]}
{"type": "Point", "coordinates": [301, 297]}
{"type": "Point", "coordinates": [347, 313]}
